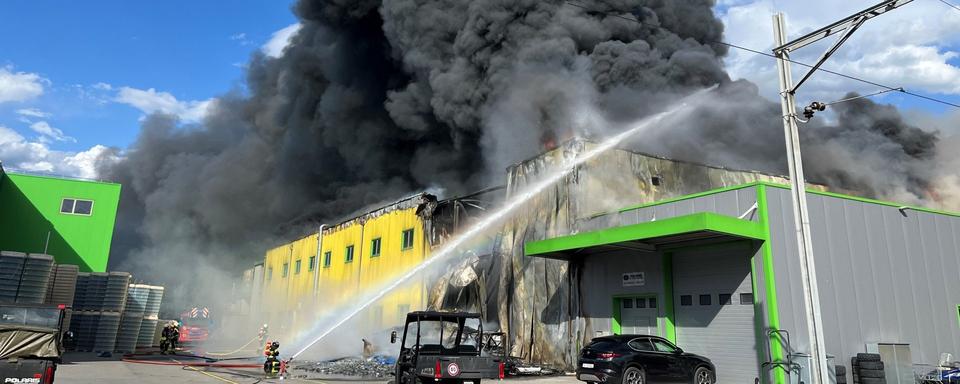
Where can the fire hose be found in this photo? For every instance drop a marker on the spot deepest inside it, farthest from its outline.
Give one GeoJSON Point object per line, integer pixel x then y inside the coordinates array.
{"type": "Point", "coordinates": [255, 338]}
{"type": "Point", "coordinates": [137, 358]}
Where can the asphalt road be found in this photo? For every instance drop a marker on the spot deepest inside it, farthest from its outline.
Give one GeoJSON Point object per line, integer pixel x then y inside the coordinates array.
{"type": "Point", "coordinates": [86, 368]}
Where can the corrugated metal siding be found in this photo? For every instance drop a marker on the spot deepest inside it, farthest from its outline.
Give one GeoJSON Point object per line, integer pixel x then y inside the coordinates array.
{"type": "Point", "coordinates": [730, 203]}
{"type": "Point", "coordinates": [883, 277]}
{"type": "Point", "coordinates": [601, 273]}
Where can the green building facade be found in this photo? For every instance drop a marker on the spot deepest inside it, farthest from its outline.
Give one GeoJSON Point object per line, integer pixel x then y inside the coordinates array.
{"type": "Point", "coordinates": [70, 219]}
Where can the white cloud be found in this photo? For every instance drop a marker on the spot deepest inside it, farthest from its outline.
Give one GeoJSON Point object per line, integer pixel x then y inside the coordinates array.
{"type": "Point", "coordinates": [17, 153]}
{"type": "Point", "coordinates": [238, 36]}
{"type": "Point", "coordinates": [901, 48]}
{"type": "Point", "coordinates": [279, 40]}
{"type": "Point", "coordinates": [151, 101]}
{"type": "Point", "coordinates": [19, 86]}
{"type": "Point", "coordinates": [102, 86]}
{"type": "Point", "coordinates": [45, 130]}
{"type": "Point", "coordinates": [32, 112]}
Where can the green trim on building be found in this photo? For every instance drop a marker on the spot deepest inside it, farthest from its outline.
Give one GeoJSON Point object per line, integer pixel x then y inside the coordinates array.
{"type": "Point", "coordinates": [865, 200]}
{"type": "Point", "coordinates": [31, 220]}
{"type": "Point", "coordinates": [615, 319]}
{"type": "Point", "coordinates": [770, 284]}
{"type": "Point", "coordinates": [697, 222]}
{"type": "Point", "coordinates": [679, 198]}
{"type": "Point", "coordinates": [669, 323]}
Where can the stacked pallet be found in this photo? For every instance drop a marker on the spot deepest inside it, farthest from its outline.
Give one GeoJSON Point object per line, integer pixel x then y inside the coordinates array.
{"type": "Point", "coordinates": [148, 327]}
{"type": "Point", "coordinates": [24, 278]}
{"type": "Point", "coordinates": [133, 314]}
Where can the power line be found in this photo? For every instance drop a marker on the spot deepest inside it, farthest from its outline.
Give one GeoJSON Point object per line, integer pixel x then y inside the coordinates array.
{"type": "Point", "coordinates": [770, 55]}
{"type": "Point", "coordinates": [862, 96]}
{"type": "Point", "coordinates": [949, 4]}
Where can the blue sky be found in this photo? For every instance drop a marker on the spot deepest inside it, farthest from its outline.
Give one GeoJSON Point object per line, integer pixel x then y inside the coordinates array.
{"type": "Point", "coordinates": [76, 77]}
{"type": "Point", "coordinates": [84, 52]}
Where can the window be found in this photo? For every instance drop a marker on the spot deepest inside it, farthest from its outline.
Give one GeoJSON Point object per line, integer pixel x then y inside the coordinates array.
{"type": "Point", "coordinates": [349, 254]}
{"type": "Point", "coordinates": [656, 180]}
{"type": "Point", "coordinates": [286, 269]}
{"type": "Point", "coordinates": [313, 263]}
{"type": "Point", "coordinates": [326, 259]}
{"type": "Point", "coordinates": [627, 303]}
{"type": "Point", "coordinates": [725, 299]}
{"type": "Point", "coordinates": [663, 346]}
{"type": "Point", "coordinates": [296, 267]}
{"type": "Point", "coordinates": [686, 300]}
{"type": "Point", "coordinates": [270, 273]}
{"type": "Point", "coordinates": [640, 345]}
{"type": "Point", "coordinates": [704, 299]}
{"type": "Point", "coordinates": [375, 247]}
{"type": "Point", "coordinates": [746, 298]}
{"type": "Point", "coordinates": [76, 207]}
{"type": "Point", "coordinates": [653, 302]}
{"type": "Point", "coordinates": [407, 241]}
{"type": "Point", "coordinates": [641, 303]}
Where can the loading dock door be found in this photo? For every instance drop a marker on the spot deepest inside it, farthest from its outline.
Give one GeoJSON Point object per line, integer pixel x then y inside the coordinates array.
{"type": "Point", "coordinates": [637, 317]}
{"type": "Point", "coordinates": [714, 310]}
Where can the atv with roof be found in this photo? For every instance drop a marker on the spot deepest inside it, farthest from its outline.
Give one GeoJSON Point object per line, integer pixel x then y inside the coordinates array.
{"type": "Point", "coordinates": [444, 347]}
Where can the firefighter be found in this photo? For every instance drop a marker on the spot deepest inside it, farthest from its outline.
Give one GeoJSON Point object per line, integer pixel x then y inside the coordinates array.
{"type": "Point", "coordinates": [262, 334]}
{"type": "Point", "coordinates": [271, 366]}
{"type": "Point", "coordinates": [169, 338]}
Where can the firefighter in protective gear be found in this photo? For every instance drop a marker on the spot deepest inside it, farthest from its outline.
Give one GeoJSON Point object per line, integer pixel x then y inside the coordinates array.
{"type": "Point", "coordinates": [272, 365]}
{"type": "Point", "coordinates": [262, 334]}
{"type": "Point", "coordinates": [169, 338]}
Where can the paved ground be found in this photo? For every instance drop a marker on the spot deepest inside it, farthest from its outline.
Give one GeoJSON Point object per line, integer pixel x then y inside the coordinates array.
{"type": "Point", "coordinates": [85, 368]}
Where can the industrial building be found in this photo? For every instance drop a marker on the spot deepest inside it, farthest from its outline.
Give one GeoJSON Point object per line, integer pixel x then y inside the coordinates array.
{"type": "Point", "coordinates": [703, 256]}
{"type": "Point", "coordinates": [71, 219]}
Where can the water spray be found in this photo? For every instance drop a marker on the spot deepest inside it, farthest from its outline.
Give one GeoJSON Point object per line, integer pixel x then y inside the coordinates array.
{"type": "Point", "coordinates": [448, 248]}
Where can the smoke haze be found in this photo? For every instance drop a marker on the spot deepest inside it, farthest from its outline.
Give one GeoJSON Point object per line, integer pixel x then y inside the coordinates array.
{"type": "Point", "coordinates": [374, 100]}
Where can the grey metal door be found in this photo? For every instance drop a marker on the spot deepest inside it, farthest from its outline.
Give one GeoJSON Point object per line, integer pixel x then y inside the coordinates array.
{"type": "Point", "coordinates": [714, 310]}
{"type": "Point", "coordinates": [637, 318]}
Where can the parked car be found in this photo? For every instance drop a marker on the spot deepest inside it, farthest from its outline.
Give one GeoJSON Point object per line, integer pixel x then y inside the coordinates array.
{"type": "Point", "coordinates": [641, 359]}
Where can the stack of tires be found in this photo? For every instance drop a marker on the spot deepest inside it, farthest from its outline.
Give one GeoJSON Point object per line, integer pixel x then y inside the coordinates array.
{"type": "Point", "coordinates": [841, 373]}
{"type": "Point", "coordinates": [867, 369]}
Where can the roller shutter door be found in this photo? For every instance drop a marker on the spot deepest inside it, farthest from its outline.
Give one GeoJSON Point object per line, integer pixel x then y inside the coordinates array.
{"type": "Point", "coordinates": [721, 331]}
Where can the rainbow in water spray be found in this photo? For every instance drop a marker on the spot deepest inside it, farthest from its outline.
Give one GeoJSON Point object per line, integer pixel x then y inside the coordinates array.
{"type": "Point", "coordinates": [507, 209]}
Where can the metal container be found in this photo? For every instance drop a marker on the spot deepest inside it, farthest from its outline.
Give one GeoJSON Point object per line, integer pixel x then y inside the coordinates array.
{"type": "Point", "coordinates": [63, 284]}
{"type": "Point", "coordinates": [148, 331]}
{"type": "Point", "coordinates": [34, 279]}
{"type": "Point", "coordinates": [153, 302]}
{"type": "Point", "coordinates": [11, 268]}
{"type": "Point", "coordinates": [115, 291]}
{"type": "Point", "coordinates": [106, 335]}
{"type": "Point", "coordinates": [129, 332]}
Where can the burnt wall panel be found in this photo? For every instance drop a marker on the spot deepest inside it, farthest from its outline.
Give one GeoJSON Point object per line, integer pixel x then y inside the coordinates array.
{"type": "Point", "coordinates": [885, 276]}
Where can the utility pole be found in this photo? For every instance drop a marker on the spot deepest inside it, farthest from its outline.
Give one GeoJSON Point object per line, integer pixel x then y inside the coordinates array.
{"type": "Point", "coordinates": [801, 219]}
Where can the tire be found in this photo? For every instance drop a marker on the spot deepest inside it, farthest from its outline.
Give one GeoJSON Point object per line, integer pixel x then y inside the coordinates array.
{"type": "Point", "coordinates": [873, 380]}
{"type": "Point", "coordinates": [878, 365]}
{"type": "Point", "coordinates": [861, 357]}
{"type": "Point", "coordinates": [633, 375]}
{"type": "Point", "coordinates": [702, 375]}
{"type": "Point", "coordinates": [840, 370]}
{"type": "Point", "coordinates": [871, 373]}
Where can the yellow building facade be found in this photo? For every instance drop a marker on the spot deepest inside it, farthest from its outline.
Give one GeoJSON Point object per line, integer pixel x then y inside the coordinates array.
{"type": "Point", "coordinates": [342, 264]}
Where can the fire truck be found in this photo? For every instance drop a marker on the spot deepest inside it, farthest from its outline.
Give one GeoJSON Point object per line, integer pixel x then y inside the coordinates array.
{"type": "Point", "coordinates": [195, 324]}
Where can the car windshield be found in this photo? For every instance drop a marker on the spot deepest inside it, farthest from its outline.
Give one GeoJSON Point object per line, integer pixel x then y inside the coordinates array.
{"type": "Point", "coordinates": [445, 334]}
{"type": "Point", "coordinates": [30, 316]}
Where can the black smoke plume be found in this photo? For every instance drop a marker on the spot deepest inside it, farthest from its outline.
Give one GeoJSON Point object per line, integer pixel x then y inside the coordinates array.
{"type": "Point", "coordinates": [375, 100]}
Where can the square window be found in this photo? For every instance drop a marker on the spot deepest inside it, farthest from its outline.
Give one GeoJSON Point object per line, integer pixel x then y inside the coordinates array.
{"type": "Point", "coordinates": [66, 206]}
{"type": "Point", "coordinates": [349, 254]}
{"type": "Point", "coordinates": [286, 269]}
{"type": "Point", "coordinates": [326, 259]}
{"type": "Point", "coordinates": [653, 302]}
{"type": "Point", "coordinates": [704, 299]}
{"type": "Point", "coordinates": [641, 303]}
{"type": "Point", "coordinates": [627, 303]}
{"type": "Point", "coordinates": [313, 263]}
{"type": "Point", "coordinates": [83, 207]}
{"type": "Point", "coordinates": [375, 247]}
{"type": "Point", "coordinates": [407, 241]}
{"type": "Point", "coordinates": [725, 299]}
{"type": "Point", "coordinates": [686, 300]}
{"type": "Point", "coordinates": [296, 267]}
{"type": "Point", "coordinates": [746, 298]}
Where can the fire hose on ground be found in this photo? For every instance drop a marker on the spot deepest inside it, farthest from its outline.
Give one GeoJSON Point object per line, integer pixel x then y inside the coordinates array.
{"type": "Point", "coordinates": [137, 358]}
{"type": "Point", "coordinates": [255, 338]}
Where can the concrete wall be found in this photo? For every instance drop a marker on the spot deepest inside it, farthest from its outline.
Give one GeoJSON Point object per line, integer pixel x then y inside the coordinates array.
{"type": "Point", "coordinates": [883, 276]}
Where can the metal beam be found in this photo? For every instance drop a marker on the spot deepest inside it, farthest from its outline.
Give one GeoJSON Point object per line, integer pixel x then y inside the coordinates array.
{"type": "Point", "coordinates": [841, 25]}
{"type": "Point", "coordinates": [826, 55]}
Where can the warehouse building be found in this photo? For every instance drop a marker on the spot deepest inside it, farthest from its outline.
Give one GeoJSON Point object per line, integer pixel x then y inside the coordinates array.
{"type": "Point", "coordinates": [71, 219]}
{"type": "Point", "coordinates": [717, 272]}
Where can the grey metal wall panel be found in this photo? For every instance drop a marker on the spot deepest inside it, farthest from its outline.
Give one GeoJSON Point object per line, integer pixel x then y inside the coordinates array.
{"type": "Point", "coordinates": [601, 281]}
{"type": "Point", "coordinates": [884, 276]}
{"type": "Point", "coordinates": [730, 203]}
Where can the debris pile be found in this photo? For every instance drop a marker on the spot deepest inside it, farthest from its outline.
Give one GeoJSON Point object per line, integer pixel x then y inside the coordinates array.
{"type": "Point", "coordinates": [376, 367]}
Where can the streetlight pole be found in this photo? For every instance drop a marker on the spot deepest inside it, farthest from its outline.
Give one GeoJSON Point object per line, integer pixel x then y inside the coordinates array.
{"type": "Point", "coordinates": [801, 219]}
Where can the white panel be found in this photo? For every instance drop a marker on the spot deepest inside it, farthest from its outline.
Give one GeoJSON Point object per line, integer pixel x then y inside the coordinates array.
{"type": "Point", "coordinates": [722, 333]}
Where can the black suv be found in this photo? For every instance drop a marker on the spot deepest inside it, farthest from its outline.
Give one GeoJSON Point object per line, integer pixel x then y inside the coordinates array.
{"type": "Point", "coordinates": [641, 359]}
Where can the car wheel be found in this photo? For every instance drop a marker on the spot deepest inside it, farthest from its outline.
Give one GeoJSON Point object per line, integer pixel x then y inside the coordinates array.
{"type": "Point", "coordinates": [633, 375]}
{"type": "Point", "coordinates": [702, 376]}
